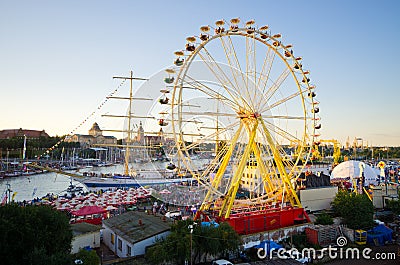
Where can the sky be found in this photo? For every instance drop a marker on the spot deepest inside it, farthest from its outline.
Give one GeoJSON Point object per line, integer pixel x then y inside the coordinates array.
{"type": "Point", "coordinates": [57, 58]}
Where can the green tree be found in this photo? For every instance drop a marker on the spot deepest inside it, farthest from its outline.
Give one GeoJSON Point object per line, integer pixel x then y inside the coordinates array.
{"type": "Point", "coordinates": [34, 235]}
{"type": "Point", "coordinates": [88, 257]}
{"type": "Point", "coordinates": [356, 209]}
{"type": "Point", "coordinates": [215, 240]}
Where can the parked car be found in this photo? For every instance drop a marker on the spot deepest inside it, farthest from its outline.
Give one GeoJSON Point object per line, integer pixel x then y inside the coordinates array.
{"type": "Point", "coordinates": [222, 262]}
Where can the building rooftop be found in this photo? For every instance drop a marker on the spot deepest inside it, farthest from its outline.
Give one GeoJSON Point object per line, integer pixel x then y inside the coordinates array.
{"type": "Point", "coordinates": [109, 136]}
{"type": "Point", "coordinates": [83, 228]}
{"type": "Point", "coordinates": [136, 226]}
{"type": "Point", "coordinates": [10, 133]}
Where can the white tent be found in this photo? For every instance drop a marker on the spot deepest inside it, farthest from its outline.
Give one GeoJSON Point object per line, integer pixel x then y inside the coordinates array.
{"type": "Point", "coordinates": [351, 169]}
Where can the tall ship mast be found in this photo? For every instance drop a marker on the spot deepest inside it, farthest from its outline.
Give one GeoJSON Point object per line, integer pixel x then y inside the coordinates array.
{"type": "Point", "coordinates": [129, 117]}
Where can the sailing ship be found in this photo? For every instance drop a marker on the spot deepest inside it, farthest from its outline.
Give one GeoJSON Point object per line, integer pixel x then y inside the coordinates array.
{"type": "Point", "coordinates": [128, 181]}
{"type": "Point", "coordinates": [131, 177]}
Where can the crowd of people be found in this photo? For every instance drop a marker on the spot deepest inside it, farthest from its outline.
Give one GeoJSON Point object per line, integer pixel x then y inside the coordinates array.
{"type": "Point", "coordinates": [179, 195]}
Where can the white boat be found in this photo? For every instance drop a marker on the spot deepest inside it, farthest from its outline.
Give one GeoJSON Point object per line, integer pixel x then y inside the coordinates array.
{"type": "Point", "coordinates": [126, 182]}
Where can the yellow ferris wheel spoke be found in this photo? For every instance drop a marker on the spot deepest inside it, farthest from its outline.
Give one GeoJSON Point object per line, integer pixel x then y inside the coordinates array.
{"type": "Point", "coordinates": [202, 87]}
{"type": "Point", "coordinates": [224, 79]}
{"type": "Point", "coordinates": [213, 135]}
{"type": "Point", "coordinates": [276, 84]}
{"type": "Point", "coordinates": [230, 54]}
{"type": "Point", "coordinates": [250, 67]}
{"type": "Point", "coordinates": [253, 67]}
{"type": "Point", "coordinates": [216, 69]}
{"type": "Point", "coordinates": [284, 100]}
{"type": "Point", "coordinates": [266, 69]}
{"type": "Point", "coordinates": [281, 132]}
{"type": "Point", "coordinates": [284, 117]}
{"type": "Point", "coordinates": [269, 68]}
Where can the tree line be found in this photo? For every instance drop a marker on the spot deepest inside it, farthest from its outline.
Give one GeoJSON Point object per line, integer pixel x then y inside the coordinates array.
{"type": "Point", "coordinates": [13, 147]}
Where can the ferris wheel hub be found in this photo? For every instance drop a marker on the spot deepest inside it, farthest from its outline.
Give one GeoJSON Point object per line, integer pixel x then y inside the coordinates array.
{"type": "Point", "coordinates": [249, 115]}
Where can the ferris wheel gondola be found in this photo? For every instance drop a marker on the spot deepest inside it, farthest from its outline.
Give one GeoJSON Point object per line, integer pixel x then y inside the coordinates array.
{"type": "Point", "coordinates": [164, 99]}
{"type": "Point", "coordinates": [169, 80]}
{"type": "Point", "coordinates": [162, 121]}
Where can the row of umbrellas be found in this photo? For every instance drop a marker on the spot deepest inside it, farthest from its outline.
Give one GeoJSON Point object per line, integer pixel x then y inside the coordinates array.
{"type": "Point", "coordinates": [109, 200]}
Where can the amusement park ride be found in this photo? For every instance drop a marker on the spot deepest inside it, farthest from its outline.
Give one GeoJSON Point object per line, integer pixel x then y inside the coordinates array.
{"type": "Point", "coordinates": [316, 155]}
{"type": "Point", "coordinates": [253, 99]}
{"type": "Point", "coordinates": [240, 88]}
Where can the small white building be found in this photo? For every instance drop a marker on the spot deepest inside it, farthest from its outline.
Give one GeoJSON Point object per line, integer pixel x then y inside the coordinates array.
{"type": "Point", "coordinates": [316, 199]}
{"type": "Point", "coordinates": [382, 194]}
{"type": "Point", "coordinates": [129, 234]}
{"type": "Point", "coordinates": [85, 235]}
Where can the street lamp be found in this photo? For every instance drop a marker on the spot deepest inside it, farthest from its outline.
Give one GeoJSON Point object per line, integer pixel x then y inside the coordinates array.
{"type": "Point", "coordinates": [191, 244]}
{"type": "Point", "coordinates": [8, 191]}
{"type": "Point", "coordinates": [190, 227]}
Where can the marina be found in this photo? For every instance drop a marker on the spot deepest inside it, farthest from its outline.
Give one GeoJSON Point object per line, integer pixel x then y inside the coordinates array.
{"type": "Point", "coordinates": [90, 179]}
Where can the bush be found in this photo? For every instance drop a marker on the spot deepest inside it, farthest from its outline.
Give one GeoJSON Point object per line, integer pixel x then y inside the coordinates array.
{"type": "Point", "coordinates": [356, 209]}
{"type": "Point", "coordinates": [204, 242]}
{"type": "Point", "coordinates": [324, 219]}
{"type": "Point", "coordinates": [88, 257]}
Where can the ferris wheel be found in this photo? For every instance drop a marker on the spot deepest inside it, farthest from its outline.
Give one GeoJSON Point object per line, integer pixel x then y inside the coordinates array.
{"type": "Point", "coordinates": [242, 96]}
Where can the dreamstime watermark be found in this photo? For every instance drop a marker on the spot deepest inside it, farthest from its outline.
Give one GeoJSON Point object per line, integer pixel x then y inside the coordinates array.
{"type": "Point", "coordinates": [308, 254]}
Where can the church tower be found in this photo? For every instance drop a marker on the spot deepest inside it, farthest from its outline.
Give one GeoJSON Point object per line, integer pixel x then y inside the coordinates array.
{"type": "Point", "coordinates": [95, 130]}
{"type": "Point", "coordinates": [140, 134]}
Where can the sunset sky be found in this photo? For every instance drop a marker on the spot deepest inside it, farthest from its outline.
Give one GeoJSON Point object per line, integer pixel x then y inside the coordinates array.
{"type": "Point", "coordinates": [57, 58]}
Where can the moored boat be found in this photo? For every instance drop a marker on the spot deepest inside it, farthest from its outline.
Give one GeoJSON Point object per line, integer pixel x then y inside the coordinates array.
{"type": "Point", "coordinates": [127, 182]}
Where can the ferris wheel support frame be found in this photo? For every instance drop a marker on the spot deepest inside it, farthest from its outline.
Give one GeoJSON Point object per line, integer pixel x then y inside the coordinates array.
{"type": "Point", "coordinates": [228, 201]}
{"type": "Point", "coordinates": [231, 195]}
{"type": "Point", "coordinates": [221, 170]}
{"type": "Point", "coordinates": [292, 196]}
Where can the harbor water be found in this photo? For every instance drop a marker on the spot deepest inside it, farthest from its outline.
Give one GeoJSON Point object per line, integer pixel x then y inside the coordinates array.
{"type": "Point", "coordinates": [39, 185]}
{"type": "Point", "coordinates": [30, 187]}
